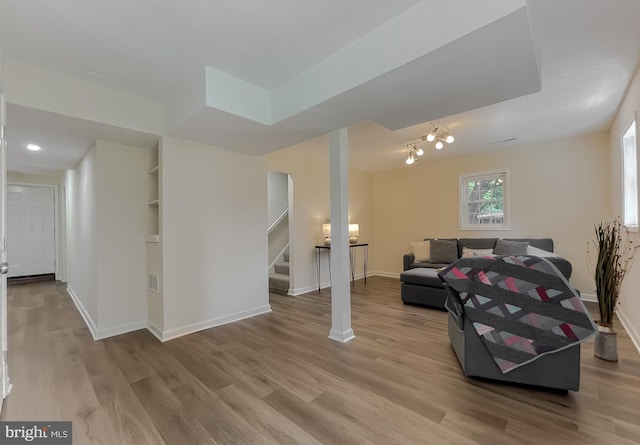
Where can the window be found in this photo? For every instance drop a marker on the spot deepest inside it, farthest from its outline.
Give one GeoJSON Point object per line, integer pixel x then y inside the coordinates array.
{"type": "Point", "coordinates": [630, 177]}
{"type": "Point", "coordinates": [484, 203]}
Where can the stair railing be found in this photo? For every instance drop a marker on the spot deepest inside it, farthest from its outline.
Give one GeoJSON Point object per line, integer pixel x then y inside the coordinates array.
{"type": "Point", "coordinates": [278, 220]}
{"type": "Point", "coordinates": [278, 257]}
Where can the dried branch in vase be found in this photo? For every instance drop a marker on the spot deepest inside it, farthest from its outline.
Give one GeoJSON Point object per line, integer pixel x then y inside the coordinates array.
{"type": "Point", "coordinates": [611, 256]}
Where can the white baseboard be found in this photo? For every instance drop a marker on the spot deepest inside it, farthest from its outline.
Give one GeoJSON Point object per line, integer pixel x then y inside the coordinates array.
{"type": "Point", "coordinates": [99, 334]}
{"type": "Point", "coordinates": [326, 284]}
{"type": "Point", "coordinates": [85, 314]}
{"type": "Point", "coordinates": [307, 289]}
{"type": "Point", "coordinates": [385, 274]}
{"type": "Point", "coordinates": [207, 324]}
{"type": "Point", "coordinates": [342, 337]}
{"type": "Point", "coordinates": [155, 330]}
{"type": "Point", "coordinates": [119, 330]}
{"type": "Point", "coordinates": [588, 297]}
{"type": "Point", "coordinates": [628, 326]}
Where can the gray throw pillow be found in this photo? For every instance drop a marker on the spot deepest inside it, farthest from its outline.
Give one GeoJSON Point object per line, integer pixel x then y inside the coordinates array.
{"type": "Point", "coordinates": [510, 247]}
{"type": "Point", "coordinates": [444, 251]}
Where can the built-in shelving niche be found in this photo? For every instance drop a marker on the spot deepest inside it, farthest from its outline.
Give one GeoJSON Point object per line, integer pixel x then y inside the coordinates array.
{"type": "Point", "coordinates": [153, 204]}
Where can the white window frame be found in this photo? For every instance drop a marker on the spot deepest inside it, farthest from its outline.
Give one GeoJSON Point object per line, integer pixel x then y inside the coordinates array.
{"type": "Point", "coordinates": [632, 223]}
{"type": "Point", "coordinates": [506, 204]}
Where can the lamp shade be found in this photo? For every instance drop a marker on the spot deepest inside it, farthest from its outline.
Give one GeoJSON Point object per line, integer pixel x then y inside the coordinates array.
{"type": "Point", "coordinates": [354, 229]}
{"type": "Point", "coordinates": [326, 230]}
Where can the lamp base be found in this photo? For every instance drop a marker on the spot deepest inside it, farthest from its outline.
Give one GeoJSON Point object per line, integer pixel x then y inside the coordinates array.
{"type": "Point", "coordinates": [327, 241]}
{"type": "Point", "coordinates": [353, 239]}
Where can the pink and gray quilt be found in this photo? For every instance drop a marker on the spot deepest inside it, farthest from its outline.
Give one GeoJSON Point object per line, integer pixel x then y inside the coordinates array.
{"type": "Point", "coordinates": [521, 306]}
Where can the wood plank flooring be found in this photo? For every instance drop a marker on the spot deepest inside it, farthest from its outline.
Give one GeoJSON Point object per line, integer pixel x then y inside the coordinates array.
{"type": "Point", "coordinates": [278, 379]}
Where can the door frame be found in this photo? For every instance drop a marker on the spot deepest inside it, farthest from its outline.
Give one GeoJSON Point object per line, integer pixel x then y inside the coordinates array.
{"type": "Point", "coordinates": [57, 260]}
{"type": "Point", "coordinates": [5, 381]}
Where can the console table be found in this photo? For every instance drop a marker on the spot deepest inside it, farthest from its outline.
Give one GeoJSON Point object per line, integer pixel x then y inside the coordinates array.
{"type": "Point", "coordinates": [353, 250]}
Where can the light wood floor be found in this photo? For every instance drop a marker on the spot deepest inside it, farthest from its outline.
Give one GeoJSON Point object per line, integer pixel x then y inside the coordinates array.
{"type": "Point", "coordinates": [278, 379]}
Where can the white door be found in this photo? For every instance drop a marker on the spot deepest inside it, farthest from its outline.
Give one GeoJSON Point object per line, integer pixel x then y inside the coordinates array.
{"type": "Point", "coordinates": [30, 230]}
{"type": "Point", "coordinates": [5, 385]}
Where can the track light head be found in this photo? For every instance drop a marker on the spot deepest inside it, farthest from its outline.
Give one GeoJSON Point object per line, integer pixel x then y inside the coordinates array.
{"type": "Point", "coordinates": [432, 136]}
{"type": "Point", "coordinates": [411, 159]}
{"type": "Point", "coordinates": [449, 139]}
{"type": "Point", "coordinates": [419, 151]}
{"type": "Point", "coordinates": [439, 145]}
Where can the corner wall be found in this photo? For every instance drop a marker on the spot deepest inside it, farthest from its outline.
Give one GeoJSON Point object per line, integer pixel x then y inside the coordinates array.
{"type": "Point", "coordinates": [106, 254]}
{"type": "Point", "coordinates": [82, 249]}
{"type": "Point", "coordinates": [559, 189]}
{"type": "Point", "coordinates": [629, 308]}
{"type": "Point", "coordinates": [214, 236]}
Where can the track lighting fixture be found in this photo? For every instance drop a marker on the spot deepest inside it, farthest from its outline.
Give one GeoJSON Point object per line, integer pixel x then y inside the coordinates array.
{"type": "Point", "coordinates": [438, 133]}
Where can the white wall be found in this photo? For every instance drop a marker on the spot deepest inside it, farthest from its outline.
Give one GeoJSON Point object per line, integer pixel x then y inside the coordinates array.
{"type": "Point", "coordinates": [106, 223]}
{"type": "Point", "coordinates": [82, 249]}
{"type": "Point", "coordinates": [559, 189]}
{"type": "Point", "coordinates": [278, 195]}
{"type": "Point", "coordinates": [214, 236]}
{"type": "Point", "coordinates": [629, 308]}
{"type": "Point", "coordinates": [121, 233]}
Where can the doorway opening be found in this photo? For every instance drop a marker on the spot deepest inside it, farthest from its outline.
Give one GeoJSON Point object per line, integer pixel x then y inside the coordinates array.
{"type": "Point", "coordinates": [279, 232]}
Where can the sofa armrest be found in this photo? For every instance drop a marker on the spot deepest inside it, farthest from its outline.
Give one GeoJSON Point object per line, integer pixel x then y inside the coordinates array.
{"type": "Point", "coordinates": [563, 265]}
{"type": "Point", "coordinates": [407, 259]}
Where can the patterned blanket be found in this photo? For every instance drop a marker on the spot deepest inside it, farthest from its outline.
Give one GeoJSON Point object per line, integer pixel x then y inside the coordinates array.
{"type": "Point", "coordinates": [522, 307]}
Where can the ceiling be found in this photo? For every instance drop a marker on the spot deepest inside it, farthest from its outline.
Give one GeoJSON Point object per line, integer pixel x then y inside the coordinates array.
{"type": "Point", "coordinates": [257, 76]}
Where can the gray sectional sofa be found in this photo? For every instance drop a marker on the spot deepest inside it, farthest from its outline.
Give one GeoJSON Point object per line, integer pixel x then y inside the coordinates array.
{"type": "Point", "coordinates": [421, 286]}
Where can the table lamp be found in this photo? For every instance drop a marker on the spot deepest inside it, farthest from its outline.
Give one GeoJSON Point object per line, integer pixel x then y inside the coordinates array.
{"type": "Point", "coordinates": [326, 234]}
{"type": "Point", "coordinates": [354, 231]}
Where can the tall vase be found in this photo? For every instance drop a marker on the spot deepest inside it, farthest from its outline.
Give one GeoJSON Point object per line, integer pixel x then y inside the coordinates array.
{"type": "Point", "coordinates": [606, 344]}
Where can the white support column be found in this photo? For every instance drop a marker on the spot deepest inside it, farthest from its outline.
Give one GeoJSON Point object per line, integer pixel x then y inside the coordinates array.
{"type": "Point", "coordinates": [340, 287]}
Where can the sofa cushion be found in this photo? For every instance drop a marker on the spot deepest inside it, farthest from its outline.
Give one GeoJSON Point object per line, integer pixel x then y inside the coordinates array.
{"type": "Point", "coordinates": [422, 276]}
{"type": "Point", "coordinates": [504, 247]}
{"type": "Point", "coordinates": [468, 253]}
{"type": "Point", "coordinates": [531, 250]}
{"type": "Point", "coordinates": [476, 243]}
{"type": "Point", "coordinates": [444, 251]}
{"type": "Point", "coordinates": [421, 251]}
{"type": "Point", "coordinates": [540, 243]}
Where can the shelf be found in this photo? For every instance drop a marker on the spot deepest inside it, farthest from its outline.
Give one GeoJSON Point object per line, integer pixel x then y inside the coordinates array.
{"type": "Point", "coordinates": [153, 170]}
{"type": "Point", "coordinates": [153, 238]}
{"type": "Point", "coordinates": [155, 202]}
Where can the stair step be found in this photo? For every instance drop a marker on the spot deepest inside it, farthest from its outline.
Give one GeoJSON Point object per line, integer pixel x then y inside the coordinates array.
{"type": "Point", "coordinates": [282, 268]}
{"type": "Point", "coordinates": [279, 281]}
{"type": "Point", "coordinates": [286, 256]}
